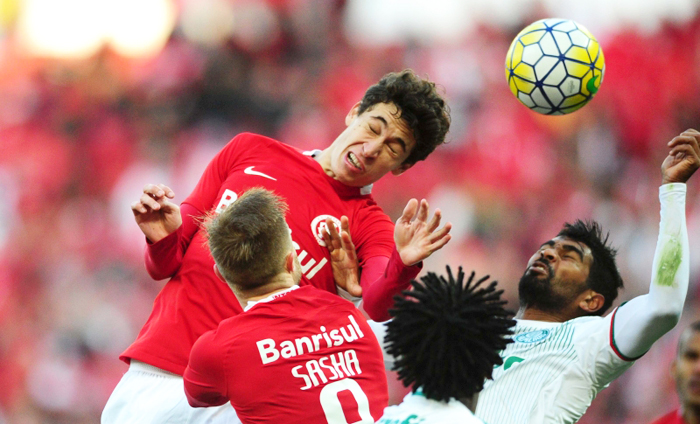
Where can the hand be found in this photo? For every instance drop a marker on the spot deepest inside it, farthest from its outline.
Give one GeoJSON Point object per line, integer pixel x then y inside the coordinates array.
{"type": "Point", "coordinates": [416, 238]}
{"type": "Point", "coordinates": [155, 214]}
{"type": "Point", "coordinates": [346, 270]}
{"type": "Point", "coordinates": [683, 159]}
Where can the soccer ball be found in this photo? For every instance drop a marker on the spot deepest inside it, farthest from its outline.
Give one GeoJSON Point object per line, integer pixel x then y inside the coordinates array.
{"type": "Point", "coordinates": [554, 66]}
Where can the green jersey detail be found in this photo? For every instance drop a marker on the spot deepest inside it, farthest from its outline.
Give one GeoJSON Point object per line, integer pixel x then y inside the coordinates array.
{"type": "Point", "coordinates": [510, 361]}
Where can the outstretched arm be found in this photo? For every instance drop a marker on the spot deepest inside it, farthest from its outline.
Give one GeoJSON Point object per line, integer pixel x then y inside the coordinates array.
{"type": "Point", "coordinates": [644, 319]}
{"type": "Point", "coordinates": [416, 238]}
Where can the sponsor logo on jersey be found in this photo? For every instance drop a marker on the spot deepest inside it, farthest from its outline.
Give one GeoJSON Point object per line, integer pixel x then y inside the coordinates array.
{"type": "Point", "coordinates": [270, 352]}
{"type": "Point", "coordinates": [249, 171]}
{"type": "Point", "coordinates": [532, 336]}
{"type": "Point", "coordinates": [318, 227]}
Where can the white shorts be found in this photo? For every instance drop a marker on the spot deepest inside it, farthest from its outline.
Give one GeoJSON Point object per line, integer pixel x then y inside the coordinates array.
{"type": "Point", "coordinates": [149, 395]}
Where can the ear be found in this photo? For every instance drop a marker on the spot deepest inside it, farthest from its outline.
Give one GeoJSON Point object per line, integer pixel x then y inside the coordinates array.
{"type": "Point", "coordinates": [403, 168]}
{"type": "Point", "coordinates": [289, 262]}
{"type": "Point", "coordinates": [352, 114]}
{"type": "Point", "coordinates": [218, 274]}
{"type": "Point", "coordinates": [591, 301]}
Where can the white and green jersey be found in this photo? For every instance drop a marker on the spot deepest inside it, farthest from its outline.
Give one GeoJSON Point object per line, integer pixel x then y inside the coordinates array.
{"type": "Point", "coordinates": [552, 371]}
{"type": "Point", "coordinates": [417, 409]}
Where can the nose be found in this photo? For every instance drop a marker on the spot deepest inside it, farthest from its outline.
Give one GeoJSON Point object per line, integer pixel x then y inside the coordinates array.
{"type": "Point", "coordinates": [372, 148]}
{"type": "Point", "coordinates": [549, 253]}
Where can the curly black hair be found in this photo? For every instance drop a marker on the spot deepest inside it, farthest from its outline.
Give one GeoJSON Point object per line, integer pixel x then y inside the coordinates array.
{"type": "Point", "coordinates": [604, 277]}
{"type": "Point", "coordinates": [447, 334]}
{"type": "Point", "coordinates": [419, 104]}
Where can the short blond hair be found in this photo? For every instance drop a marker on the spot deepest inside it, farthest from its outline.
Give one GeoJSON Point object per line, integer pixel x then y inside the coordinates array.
{"type": "Point", "coordinates": [249, 240]}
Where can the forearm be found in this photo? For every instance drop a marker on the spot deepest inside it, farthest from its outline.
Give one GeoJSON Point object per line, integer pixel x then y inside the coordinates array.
{"type": "Point", "coordinates": [644, 319]}
{"type": "Point", "coordinates": [164, 258]}
{"type": "Point", "coordinates": [382, 279]}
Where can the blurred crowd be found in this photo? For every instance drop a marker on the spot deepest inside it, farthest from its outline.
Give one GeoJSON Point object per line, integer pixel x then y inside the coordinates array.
{"type": "Point", "coordinates": [79, 138]}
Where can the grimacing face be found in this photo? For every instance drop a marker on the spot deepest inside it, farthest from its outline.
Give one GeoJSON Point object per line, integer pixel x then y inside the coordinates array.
{"type": "Point", "coordinates": [686, 368]}
{"type": "Point", "coordinates": [374, 143]}
{"type": "Point", "coordinates": [555, 275]}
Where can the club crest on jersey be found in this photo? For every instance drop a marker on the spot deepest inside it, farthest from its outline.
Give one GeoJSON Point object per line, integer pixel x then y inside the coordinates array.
{"type": "Point", "coordinates": [532, 336]}
{"type": "Point", "coordinates": [318, 227]}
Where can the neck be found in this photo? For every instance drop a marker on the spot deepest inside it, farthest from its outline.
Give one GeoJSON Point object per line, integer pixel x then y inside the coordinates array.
{"type": "Point", "coordinates": [691, 414]}
{"type": "Point", "coordinates": [324, 158]}
{"type": "Point", "coordinates": [470, 402]}
{"type": "Point", "coordinates": [535, 314]}
{"type": "Point", "coordinates": [277, 284]}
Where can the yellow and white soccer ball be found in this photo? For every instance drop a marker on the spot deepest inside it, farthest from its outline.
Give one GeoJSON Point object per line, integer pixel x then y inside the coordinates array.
{"type": "Point", "coordinates": [554, 66]}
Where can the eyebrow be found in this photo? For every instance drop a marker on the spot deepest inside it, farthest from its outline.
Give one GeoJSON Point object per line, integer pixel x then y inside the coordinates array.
{"type": "Point", "coordinates": [400, 140]}
{"type": "Point", "coordinates": [566, 247]}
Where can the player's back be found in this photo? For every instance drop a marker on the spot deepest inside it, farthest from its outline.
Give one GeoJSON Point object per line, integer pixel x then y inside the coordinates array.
{"type": "Point", "coordinates": [307, 356]}
{"type": "Point", "coordinates": [551, 372]}
{"type": "Point", "coordinates": [416, 408]}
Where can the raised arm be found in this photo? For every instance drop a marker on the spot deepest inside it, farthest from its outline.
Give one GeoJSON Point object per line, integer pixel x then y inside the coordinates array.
{"type": "Point", "coordinates": [382, 277]}
{"type": "Point", "coordinates": [168, 229]}
{"type": "Point", "coordinates": [644, 319]}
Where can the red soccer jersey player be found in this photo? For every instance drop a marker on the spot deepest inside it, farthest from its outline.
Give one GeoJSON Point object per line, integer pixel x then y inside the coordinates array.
{"type": "Point", "coordinates": [250, 160]}
{"type": "Point", "coordinates": [399, 122]}
{"type": "Point", "coordinates": [301, 356]}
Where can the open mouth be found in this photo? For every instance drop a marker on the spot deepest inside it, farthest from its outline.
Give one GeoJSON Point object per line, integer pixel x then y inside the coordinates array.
{"type": "Point", "coordinates": [540, 268]}
{"type": "Point", "coordinates": [354, 161]}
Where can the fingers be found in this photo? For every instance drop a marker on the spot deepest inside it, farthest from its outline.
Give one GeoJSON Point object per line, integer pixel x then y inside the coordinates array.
{"type": "Point", "coordinates": [435, 221]}
{"type": "Point", "coordinates": [347, 244]}
{"type": "Point", "coordinates": [440, 238]}
{"type": "Point", "coordinates": [354, 288]}
{"type": "Point", "coordinates": [154, 197]}
{"type": "Point", "coordinates": [345, 225]}
{"type": "Point", "coordinates": [331, 236]}
{"type": "Point", "coordinates": [158, 190]}
{"type": "Point", "coordinates": [409, 211]}
{"type": "Point", "coordinates": [689, 137]}
{"type": "Point", "coordinates": [422, 214]}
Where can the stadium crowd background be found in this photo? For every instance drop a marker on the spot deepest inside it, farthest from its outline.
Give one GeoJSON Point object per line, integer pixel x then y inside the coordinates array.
{"type": "Point", "coordinates": [90, 112]}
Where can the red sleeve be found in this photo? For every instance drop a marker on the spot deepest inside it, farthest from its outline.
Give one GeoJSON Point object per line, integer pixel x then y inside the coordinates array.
{"type": "Point", "coordinates": [204, 377]}
{"type": "Point", "coordinates": [383, 278]}
{"type": "Point", "coordinates": [163, 258]}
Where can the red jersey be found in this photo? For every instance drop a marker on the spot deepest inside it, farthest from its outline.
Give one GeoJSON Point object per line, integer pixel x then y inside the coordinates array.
{"type": "Point", "coordinates": [673, 417]}
{"type": "Point", "coordinates": [195, 300]}
{"type": "Point", "coordinates": [300, 356]}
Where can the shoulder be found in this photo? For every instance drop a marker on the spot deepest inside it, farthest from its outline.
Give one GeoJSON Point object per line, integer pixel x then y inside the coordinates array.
{"type": "Point", "coordinates": [322, 298]}
{"type": "Point", "coordinates": [252, 139]}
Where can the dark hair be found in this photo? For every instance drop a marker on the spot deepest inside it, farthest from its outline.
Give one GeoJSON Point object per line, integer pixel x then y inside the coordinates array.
{"type": "Point", "coordinates": [250, 238]}
{"type": "Point", "coordinates": [419, 105]}
{"type": "Point", "coordinates": [604, 277]}
{"type": "Point", "coordinates": [693, 327]}
{"type": "Point", "coordinates": [446, 335]}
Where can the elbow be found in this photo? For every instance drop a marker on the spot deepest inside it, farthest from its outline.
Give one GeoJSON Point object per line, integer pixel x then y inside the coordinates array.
{"type": "Point", "coordinates": [156, 275]}
{"type": "Point", "coordinates": [376, 313]}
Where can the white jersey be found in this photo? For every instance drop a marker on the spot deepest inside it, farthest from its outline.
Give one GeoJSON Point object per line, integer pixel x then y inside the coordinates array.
{"type": "Point", "coordinates": [551, 372]}
{"type": "Point", "coordinates": [417, 409]}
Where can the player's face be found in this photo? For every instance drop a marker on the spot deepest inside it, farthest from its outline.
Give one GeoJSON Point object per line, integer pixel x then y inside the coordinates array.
{"type": "Point", "coordinates": [686, 369]}
{"type": "Point", "coordinates": [374, 143]}
{"type": "Point", "coordinates": [555, 275]}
